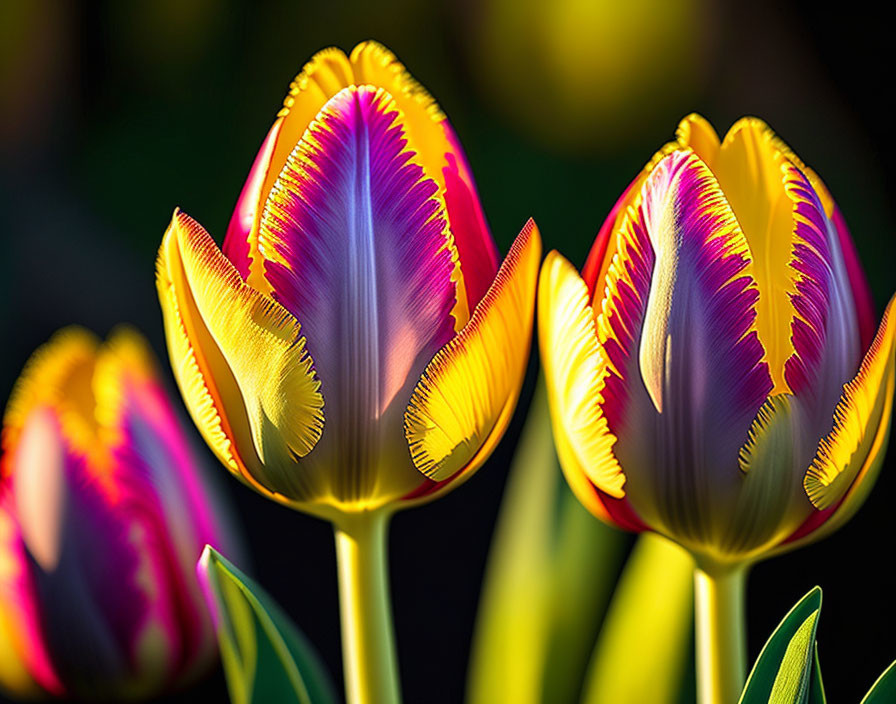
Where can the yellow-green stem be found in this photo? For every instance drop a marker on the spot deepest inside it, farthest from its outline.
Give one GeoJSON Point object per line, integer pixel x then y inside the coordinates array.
{"type": "Point", "coordinates": [721, 635]}
{"type": "Point", "coordinates": [368, 640]}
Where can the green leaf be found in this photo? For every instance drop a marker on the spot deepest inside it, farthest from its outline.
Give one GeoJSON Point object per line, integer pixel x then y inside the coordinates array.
{"type": "Point", "coordinates": [785, 671]}
{"type": "Point", "coordinates": [884, 690]}
{"type": "Point", "coordinates": [816, 687]}
{"type": "Point", "coordinates": [265, 657]}
{"type": "Point", "coordinates": [645, 645]}
{"type": "Point", "coordinates": [550, 573]}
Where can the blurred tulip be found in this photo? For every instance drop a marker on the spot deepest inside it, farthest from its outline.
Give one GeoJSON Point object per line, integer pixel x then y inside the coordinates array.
{"type": "Point", "coordinates": [706, 372]}
{"type": "Point", "coordinates": [355, 348]}
{"type": "Point", "coordinates": [103, 514]}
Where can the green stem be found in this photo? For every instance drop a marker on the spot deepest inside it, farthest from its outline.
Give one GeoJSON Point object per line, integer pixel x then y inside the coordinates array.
{"type": "Point", "coordinates": [721, 634]}
{"type": "Point", "coordinates": [368, 641]}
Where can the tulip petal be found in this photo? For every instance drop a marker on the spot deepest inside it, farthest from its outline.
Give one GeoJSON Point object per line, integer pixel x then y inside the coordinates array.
{"type": "Point", "coordinates": [601, 253]}
{"type": "Point", "coordinates": [39, 487]}
{"type": "Point", "coordinates": [58, 375]}
{"type": "Point", "coordinates": [696, 133]}
{"type": "Point", "coordinates": [89, 622]}
{"type": "Point", "coordinates": [806, 312]}
{"type": "Point", "coordinates": [93, 622]}
{"type": "Point", "coordinates": [25, 666]}
{"type": "Point", "coordinates": [685, 369]}
{"type": "Point", "coordinates": [575, 372]}
{"type": "Point", "coordinates": [824, 336]}
{"type": "Point", "coordinates": [770, 504]}
{"type": "Point", "coordinates": [428, 134]}
{"type": "Point", "coordinates": [861, 291]}
{"type": "Point", "coordinates": [478, 255]}
{"type": "Point", "coordinates": [241, 241]}
{"type": "Point", "coordinates": [813, 286]}
{"type": "Point", "coordinates": [325, 74]}
{"type": "Point", "coordinates": [853, 451]}
{"type": "Point", "coordinates": [466, 396]}
{"type": "Point", "coordinates": [321, 78]}
{"type": "Point", "coordinates": [848, 288]}
{"type": "Point", "coordinates": [240, 362]}
{"type": "Point", "coordinates": [136, 418]}
{"type": "Point", "coordinates": [359, 250]}
{"type": "Point", "coordinates": [262, 345]}
{"type": "Point", "coordinates": [440, 154]}
{"type": "Point", "coordinates": [14, 675]}
{"type": "Point", "coordinates": [375, 65]}
{"type": "Point", "coordinates": [160, 477]}
{"type": "Point", "coordinates": [749, 171]}
{"type": "Point", "coordinates": [199, 367]}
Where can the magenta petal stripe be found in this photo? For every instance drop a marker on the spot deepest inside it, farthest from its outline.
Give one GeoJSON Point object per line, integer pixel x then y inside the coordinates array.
{"type": "Point", "coordinates": [358, 249]}
{"type": "Point", "coordinates": [858, 283]}
{"type": "Point", "coordinates": [18, 597]}
{"type": "Point", "coordinates": [813, 285]}
{"type": "Point", "coordinates": [687, 374]}
{"type": "Point", "coordinates": [479, 257]}
{"type": "Point", "coordinates": [824, 331]}
{"type": "Point", "coordinates": [237, 247]}
{"type": "Point", "coordinates": [621, 316]}
{"type": "Point", "coordinates": [165, 499]}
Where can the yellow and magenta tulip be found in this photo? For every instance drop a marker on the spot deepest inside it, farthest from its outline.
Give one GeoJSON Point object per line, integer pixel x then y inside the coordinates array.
{"type": "Point", "coordinates": [706, 370]}
{"type": "Point", "coordinates": [354, 347]}
{"type": "Point", "coordinates": [714, 374]}
{"type": "Point", "coordinates": [355, 344]}
{"type": "Point", "coordinates": [103, 514]}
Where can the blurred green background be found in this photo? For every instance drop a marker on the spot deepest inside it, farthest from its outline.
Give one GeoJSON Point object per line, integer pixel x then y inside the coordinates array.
{"type": "Point", "coordinates": [113, 113]}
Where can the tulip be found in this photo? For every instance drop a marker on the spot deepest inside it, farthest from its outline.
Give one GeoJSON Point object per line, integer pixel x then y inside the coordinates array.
{"type": "Point", "coordinates": [103, 514]}
{"type": "Point", "coordinates": [714, 374]}
{"type": "Point", "coordinates": [355, 348]}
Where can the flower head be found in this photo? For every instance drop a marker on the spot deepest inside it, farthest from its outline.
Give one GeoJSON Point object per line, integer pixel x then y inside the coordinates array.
{"type": "Point", "coordinates": [103, 515]}
{"type": "Point", "coordinates": [714, 373]}
{"type": "Point", "coordinates": [355, 344]}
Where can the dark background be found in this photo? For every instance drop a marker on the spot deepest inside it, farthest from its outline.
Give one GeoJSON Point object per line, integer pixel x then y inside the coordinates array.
{"type": "Point", "coordinates": [112, 114]}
